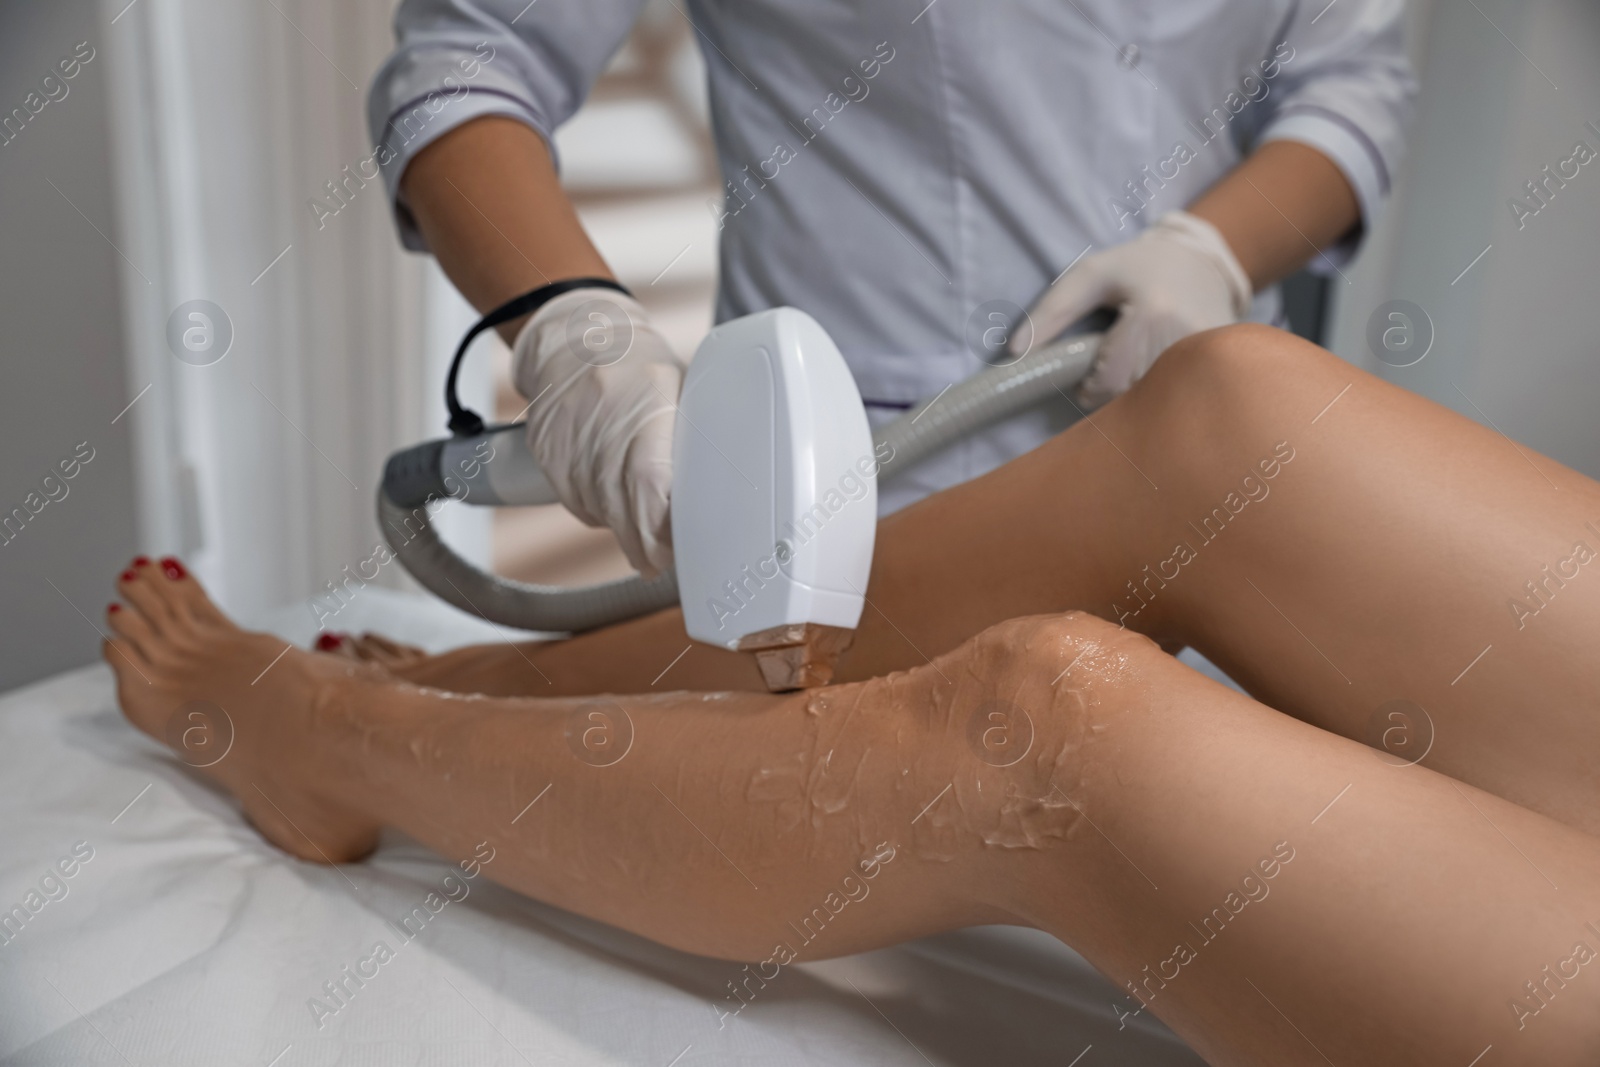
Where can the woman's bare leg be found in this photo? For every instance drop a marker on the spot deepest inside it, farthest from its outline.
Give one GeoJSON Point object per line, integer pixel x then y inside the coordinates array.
{"type": "Point", "coordinates": [1407, 575]}
{"type": "Point", "coordinates": [1277, 894]}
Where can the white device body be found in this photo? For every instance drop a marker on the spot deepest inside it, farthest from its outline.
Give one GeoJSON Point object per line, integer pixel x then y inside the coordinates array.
{"type": "Point", "coordinates": [774, 491]}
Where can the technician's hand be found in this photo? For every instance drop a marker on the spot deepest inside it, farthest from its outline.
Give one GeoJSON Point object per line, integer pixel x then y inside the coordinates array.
{"type": "Point", "coordinates": [1176, 278]}
{"type": "Point", "coordinates": [604, 385]}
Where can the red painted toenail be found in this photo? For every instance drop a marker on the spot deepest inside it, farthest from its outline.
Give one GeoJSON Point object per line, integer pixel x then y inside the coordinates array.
{"type": "Point", "coordinates": [114, 608]}
{"type": "Point", "coordinates": [329, 642]}
{"type": "Point", "coordinates": [129, 576]}
{"type": "Point", "coordinates": [172, 568]}
{"type": "Point", "coordinates": [141, 561]}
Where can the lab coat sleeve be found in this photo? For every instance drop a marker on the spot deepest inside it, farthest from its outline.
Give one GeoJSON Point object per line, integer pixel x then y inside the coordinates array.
{"type": "Point", "coordinates": [1347, 91]}
{"type": "Point", "coordinates": [458, 60]}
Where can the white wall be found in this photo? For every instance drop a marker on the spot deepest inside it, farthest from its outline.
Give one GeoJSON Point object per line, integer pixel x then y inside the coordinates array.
{"type": "Point", "coordinates": [61, 338]}
{"type": "Point", "coordinates": [193, 144]}
{"type": "Point", "coordinates": [1520, 332]}
{"type": "Point", "coordinates": [232, 116]}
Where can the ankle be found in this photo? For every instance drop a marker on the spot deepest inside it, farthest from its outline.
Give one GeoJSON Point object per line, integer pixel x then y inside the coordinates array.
{"type": "Point", "coordinates": [338, 755]}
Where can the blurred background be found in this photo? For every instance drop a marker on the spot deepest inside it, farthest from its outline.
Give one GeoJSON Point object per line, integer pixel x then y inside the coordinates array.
{"type": "Point", "coordinates": [185, 158]}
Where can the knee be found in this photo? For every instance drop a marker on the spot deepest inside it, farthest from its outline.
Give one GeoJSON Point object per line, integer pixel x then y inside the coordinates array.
{"type": "Point", "coordinates": [1053, 663]}
{"type": "Point", "coordinates": [1238, 381]}
{"type": "Point", "coordinates": [1029, 697]}
{"type": "Point", "coordinates": [1104, 655]}
{"type": "Point", "coordinates": [1230, 364]}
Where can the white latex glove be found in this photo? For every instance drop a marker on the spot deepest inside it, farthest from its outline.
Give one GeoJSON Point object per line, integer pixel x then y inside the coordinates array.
{"type": "Point", "coordinates": [1176, 278]}
{"type": "Point", "coordinates": [604, 385]}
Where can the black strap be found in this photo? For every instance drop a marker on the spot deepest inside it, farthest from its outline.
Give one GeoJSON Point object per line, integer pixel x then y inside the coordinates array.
{"type": "Point", "coordinates": [464, 422]}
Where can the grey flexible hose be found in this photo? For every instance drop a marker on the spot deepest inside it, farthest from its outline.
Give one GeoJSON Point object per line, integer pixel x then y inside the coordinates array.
{"type": "Point", "coordinates": [983, 399]}
{"type": "Point", "coordinates": [935, 424]}
{"type": "Point", "coordinates": [545, 608]}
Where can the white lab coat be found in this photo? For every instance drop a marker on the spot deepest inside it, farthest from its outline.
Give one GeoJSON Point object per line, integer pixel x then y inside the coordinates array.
{"type": "Point", "coordinates": [893, 165]}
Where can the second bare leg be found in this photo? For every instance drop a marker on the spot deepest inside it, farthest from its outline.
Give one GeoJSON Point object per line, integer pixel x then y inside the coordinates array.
{"type": "Point", "coordinates": [1353, 554]}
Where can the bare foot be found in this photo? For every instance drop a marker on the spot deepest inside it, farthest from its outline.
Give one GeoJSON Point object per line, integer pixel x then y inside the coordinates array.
{"type": "Point", "coordinates": [236, 705]}
{"type": "Point", "coordinates": [371, 648]}
{"type": "Point", "coordinates": [502, 669]}
{"type": "Point", "coordinates": [469, 670]}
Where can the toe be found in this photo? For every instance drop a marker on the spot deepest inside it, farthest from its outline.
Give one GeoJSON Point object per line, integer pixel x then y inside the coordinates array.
{"type": "Point", "coordinates": [139, 586]}
{"type": "Point", "coordinates": [375, 648]}
{"type": "Point", "coordinates": [131, 627]}
{"type": "Point", "coordinates": [183, 592]}
{"type": "Point", "coordinates": [337, 644]}
{"type": "Point", "coordinates": [130, 667]}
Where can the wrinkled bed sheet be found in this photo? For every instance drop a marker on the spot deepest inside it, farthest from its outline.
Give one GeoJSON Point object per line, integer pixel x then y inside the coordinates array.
{"type": "Point", "coordinates": [181, 938]}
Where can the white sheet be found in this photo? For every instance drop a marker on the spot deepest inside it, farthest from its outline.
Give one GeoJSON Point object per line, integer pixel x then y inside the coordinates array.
{"type": "Point", "coordinates": [185, 939]}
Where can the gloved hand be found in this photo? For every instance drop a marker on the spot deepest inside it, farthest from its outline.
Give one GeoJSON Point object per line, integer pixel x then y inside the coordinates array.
{"type": "Point", "coordinates": [604, 386]}
{"type": "Point", "coordinates": [1176, 278]}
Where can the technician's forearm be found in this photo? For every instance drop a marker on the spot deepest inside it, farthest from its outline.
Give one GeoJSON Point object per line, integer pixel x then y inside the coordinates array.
{"type": "Point", "coordinates": [1279, 207]}
{"type": "Point", "coordinates": [488, 201]}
